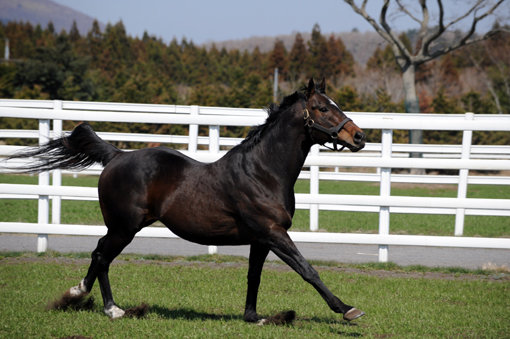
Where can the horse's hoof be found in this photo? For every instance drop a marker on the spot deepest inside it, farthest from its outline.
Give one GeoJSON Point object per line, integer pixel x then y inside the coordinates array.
{"type": "Point", "coordinates": [251, 317]}
{"type": "Point", "coordinates": [353, 313]}
{"type": "Point", "coordinates": [79, 290]}
{"type": "Point", "coordinates": [262, 322]}
{"type": "Point", "coordinates": [114, 312]}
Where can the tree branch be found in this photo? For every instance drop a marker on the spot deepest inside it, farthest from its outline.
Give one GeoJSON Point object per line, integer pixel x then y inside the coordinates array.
{"type": "Point", "coordinates": [475, 6]}
{"type": "Point", "coordinates": [466, 40]}
{"type": "Point", "coordinates": [402, 56]}
{"type": "Point", "coordinates": [425, 39]}
{"type": "Point", "coordinates": [362, 11]}
{"type": "Point", "coordinates": [424, 26]}
{"type": "Point", "coordinates": [404, 9]}
{"type": "Point", "coordinates": [424, 51]}
{"type": "Point", "coordinates": [400, 51]}
{"type": "Point", "coordinates": [461, 44]}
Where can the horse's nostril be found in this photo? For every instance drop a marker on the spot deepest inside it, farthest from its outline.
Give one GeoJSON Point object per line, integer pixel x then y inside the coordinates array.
{"type": "Point", "coordinates": [359, 137]}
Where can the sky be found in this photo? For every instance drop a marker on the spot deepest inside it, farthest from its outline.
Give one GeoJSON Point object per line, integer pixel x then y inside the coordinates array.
{"type": "Point", "coordinates": [218, 20]}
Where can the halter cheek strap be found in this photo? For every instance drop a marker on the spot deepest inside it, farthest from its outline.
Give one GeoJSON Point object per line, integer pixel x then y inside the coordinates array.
{"type": "Point", "coordinates": [332, 132]}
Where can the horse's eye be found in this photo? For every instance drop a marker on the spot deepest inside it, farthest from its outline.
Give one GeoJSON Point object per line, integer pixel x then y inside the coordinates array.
{"type": "Point", "coordinates": [323, 109]}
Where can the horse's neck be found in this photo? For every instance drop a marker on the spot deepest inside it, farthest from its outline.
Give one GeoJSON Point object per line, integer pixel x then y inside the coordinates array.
{"type": "Point", "coordinates": [284, 153]}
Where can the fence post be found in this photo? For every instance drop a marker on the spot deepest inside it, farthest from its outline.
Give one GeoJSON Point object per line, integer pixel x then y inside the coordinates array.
{"type": "Point", "coordinates": [314, 189]}
{"type": "Point", "coordinates": [467, 137]}
{"type": "Point", "coordinates": [43, 207]}
{"type": "Point", "coordinates": [193, 131]}
{"type": "Point", "coordinates": [214, 147]}
{"type": "Point", "coordinates": [56, 201]}
{"type": "Point", "coordinates": [385, 191]}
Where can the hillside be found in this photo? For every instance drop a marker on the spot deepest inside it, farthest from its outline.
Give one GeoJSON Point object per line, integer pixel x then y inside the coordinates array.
{"type": "Point", "coordinates": [42, 12]}
{"type": "Point", "coordinates": [361, 45]}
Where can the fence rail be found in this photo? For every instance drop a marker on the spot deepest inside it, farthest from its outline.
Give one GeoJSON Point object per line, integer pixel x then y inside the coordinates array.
{"type": "Point", "coordinates": [320, 165]}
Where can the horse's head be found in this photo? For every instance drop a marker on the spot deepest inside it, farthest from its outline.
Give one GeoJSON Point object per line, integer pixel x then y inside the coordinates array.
{"type": "Point", "coordinates": [327, 123]}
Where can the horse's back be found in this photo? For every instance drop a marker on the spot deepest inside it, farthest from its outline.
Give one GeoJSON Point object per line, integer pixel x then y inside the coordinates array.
{"type": "Point", "coordinates": [146, 164]}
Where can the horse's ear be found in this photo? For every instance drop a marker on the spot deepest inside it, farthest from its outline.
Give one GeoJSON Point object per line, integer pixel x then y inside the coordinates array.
{"type": "Point", "coordinates": [322, 86]}
{"type": "Point", "coordinates": [311, 88]}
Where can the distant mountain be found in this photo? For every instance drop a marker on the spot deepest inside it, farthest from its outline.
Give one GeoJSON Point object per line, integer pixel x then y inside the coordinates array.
{"type": "Point", "coordinates": [42, 12]}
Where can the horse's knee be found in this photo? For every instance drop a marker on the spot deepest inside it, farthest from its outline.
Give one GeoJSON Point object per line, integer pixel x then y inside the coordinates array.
{"type": "Point", "coordinates": [100, 261]}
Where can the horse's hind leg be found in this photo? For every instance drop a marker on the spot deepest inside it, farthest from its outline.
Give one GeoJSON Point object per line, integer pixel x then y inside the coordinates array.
{"type": "Point", "coordinates": [80, 291]}
{"type": "Point", "coordinates": [281, 244]}
{"type": "Point", "coordinates": [107, 249]}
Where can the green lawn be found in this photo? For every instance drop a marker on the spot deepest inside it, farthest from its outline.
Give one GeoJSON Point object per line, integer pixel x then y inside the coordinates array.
{"type": "Point", "coordinates": [416, 224]}
{"type": "Point", "coordinates": [87, 212]}
{"type": "Point", "coordinates": [206, 300]}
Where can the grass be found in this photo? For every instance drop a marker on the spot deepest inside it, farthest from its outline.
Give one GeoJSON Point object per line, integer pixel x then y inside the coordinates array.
{"type": "Point", "coordinates": [88, 212]}
{"type": "Point", "coordinates": [198, 299]}
{"type": "Point", "coordinates": [73, 212]}
{"type": "Point", "coordinates": [416, 224]}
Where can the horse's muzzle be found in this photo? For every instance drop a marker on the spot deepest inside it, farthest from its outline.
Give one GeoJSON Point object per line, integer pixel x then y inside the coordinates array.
{"type": "Point", "coordinates": [359, 141]}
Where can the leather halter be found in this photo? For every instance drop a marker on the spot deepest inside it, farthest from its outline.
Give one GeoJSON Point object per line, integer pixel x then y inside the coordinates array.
{"type": "Point", "coordinates": [332, 132]}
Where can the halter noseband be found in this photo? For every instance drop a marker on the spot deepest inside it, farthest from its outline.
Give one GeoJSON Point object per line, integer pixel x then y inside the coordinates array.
{"type": "Point", "coordinates": [331, 132]}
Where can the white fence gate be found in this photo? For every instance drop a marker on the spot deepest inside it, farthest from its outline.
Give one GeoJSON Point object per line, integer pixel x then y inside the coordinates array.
{"type": "Point", "coordinates": [320, 165]}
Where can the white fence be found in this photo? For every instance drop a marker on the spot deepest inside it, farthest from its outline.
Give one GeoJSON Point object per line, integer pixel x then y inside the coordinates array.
{"type": "Point", "coordinates": [320, 165]}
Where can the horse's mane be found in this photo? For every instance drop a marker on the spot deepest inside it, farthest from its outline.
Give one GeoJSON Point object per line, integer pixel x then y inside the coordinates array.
{"type": "Point", "coordinates": [273, 111]}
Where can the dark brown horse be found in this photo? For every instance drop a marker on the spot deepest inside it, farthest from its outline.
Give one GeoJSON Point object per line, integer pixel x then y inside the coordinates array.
{"type": "Point", "coordinates": [246, 197]}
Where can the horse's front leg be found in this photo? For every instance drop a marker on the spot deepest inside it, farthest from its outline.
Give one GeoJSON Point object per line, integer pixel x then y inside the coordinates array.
{"type": "Point", "coordinates": [280, 243]}
{"type": "Point", "coordinates": [258, 254]}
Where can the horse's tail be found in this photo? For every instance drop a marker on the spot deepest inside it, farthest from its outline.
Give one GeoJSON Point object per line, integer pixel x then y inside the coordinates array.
{"type": "Point", "coordinates": [76, 151]}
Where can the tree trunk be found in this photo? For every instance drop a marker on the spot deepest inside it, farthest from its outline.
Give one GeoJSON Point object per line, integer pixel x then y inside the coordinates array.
{"type": "Point", "coordinates": [412, 106]}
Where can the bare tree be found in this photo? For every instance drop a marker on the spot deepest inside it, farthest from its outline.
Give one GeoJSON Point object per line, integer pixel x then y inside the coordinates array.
{"type": "Point", "coordinates": [429, 44]}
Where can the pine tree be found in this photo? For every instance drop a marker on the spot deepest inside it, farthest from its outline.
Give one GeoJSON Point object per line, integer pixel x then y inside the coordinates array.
{"type": "Point", "coordinates": [278, 59]}
{"type": "Point", "coordinates": [94, 43]}
{"type": "Point", "coordinates": [318, 55]}
{"type": "Point", "coordinates": [74, 33]}
{"type": "Point", "coordinates": [341, 61]}
{"type": "Point", "coordinates": [297, 58]}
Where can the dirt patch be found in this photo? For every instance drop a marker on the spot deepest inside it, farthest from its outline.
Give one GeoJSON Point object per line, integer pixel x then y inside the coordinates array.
{"type": "Point", "coordinates": [499, 276]}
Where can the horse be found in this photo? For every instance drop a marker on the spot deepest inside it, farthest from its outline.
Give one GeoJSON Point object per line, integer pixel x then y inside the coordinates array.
{"type": "Point", "coordinates": [244, 198]}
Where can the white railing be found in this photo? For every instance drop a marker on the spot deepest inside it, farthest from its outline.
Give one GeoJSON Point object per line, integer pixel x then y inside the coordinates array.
{"type": "Point", "coordinates": [320, 165]}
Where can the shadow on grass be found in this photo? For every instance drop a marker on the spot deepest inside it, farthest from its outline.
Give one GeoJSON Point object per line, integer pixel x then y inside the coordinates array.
{"type": "Point", "coordinates": [190, 314]}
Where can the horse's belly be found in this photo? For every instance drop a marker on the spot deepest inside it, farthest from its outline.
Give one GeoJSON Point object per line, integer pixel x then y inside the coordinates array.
{"type": "Point", "coordinates": [206, 230]}
{"type": "Point", "coordinates": [202, 211]}
{"type": "Point", "coordinates": [216, 240]}
{"type": "Point", "coordinates": [208, 235]}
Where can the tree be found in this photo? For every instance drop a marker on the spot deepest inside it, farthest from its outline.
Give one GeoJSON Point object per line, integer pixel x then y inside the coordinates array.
{"type": "Point", "coordinates": [278, 58]}
{"type": "Point", "coordinates": [297, 57]}
{"type": "Point", "coordinates": [341, 61]}
{"type": "Point", "coordinates": [56, 71]}
{"type": "Point", "coordinates": [429, 43]}
{"type": "Point", "coordinates": [74, 33]}
{"type": "Point", "coordinates": [318, 60]}
{"type": "Point", "coordinates": [492, 62]}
